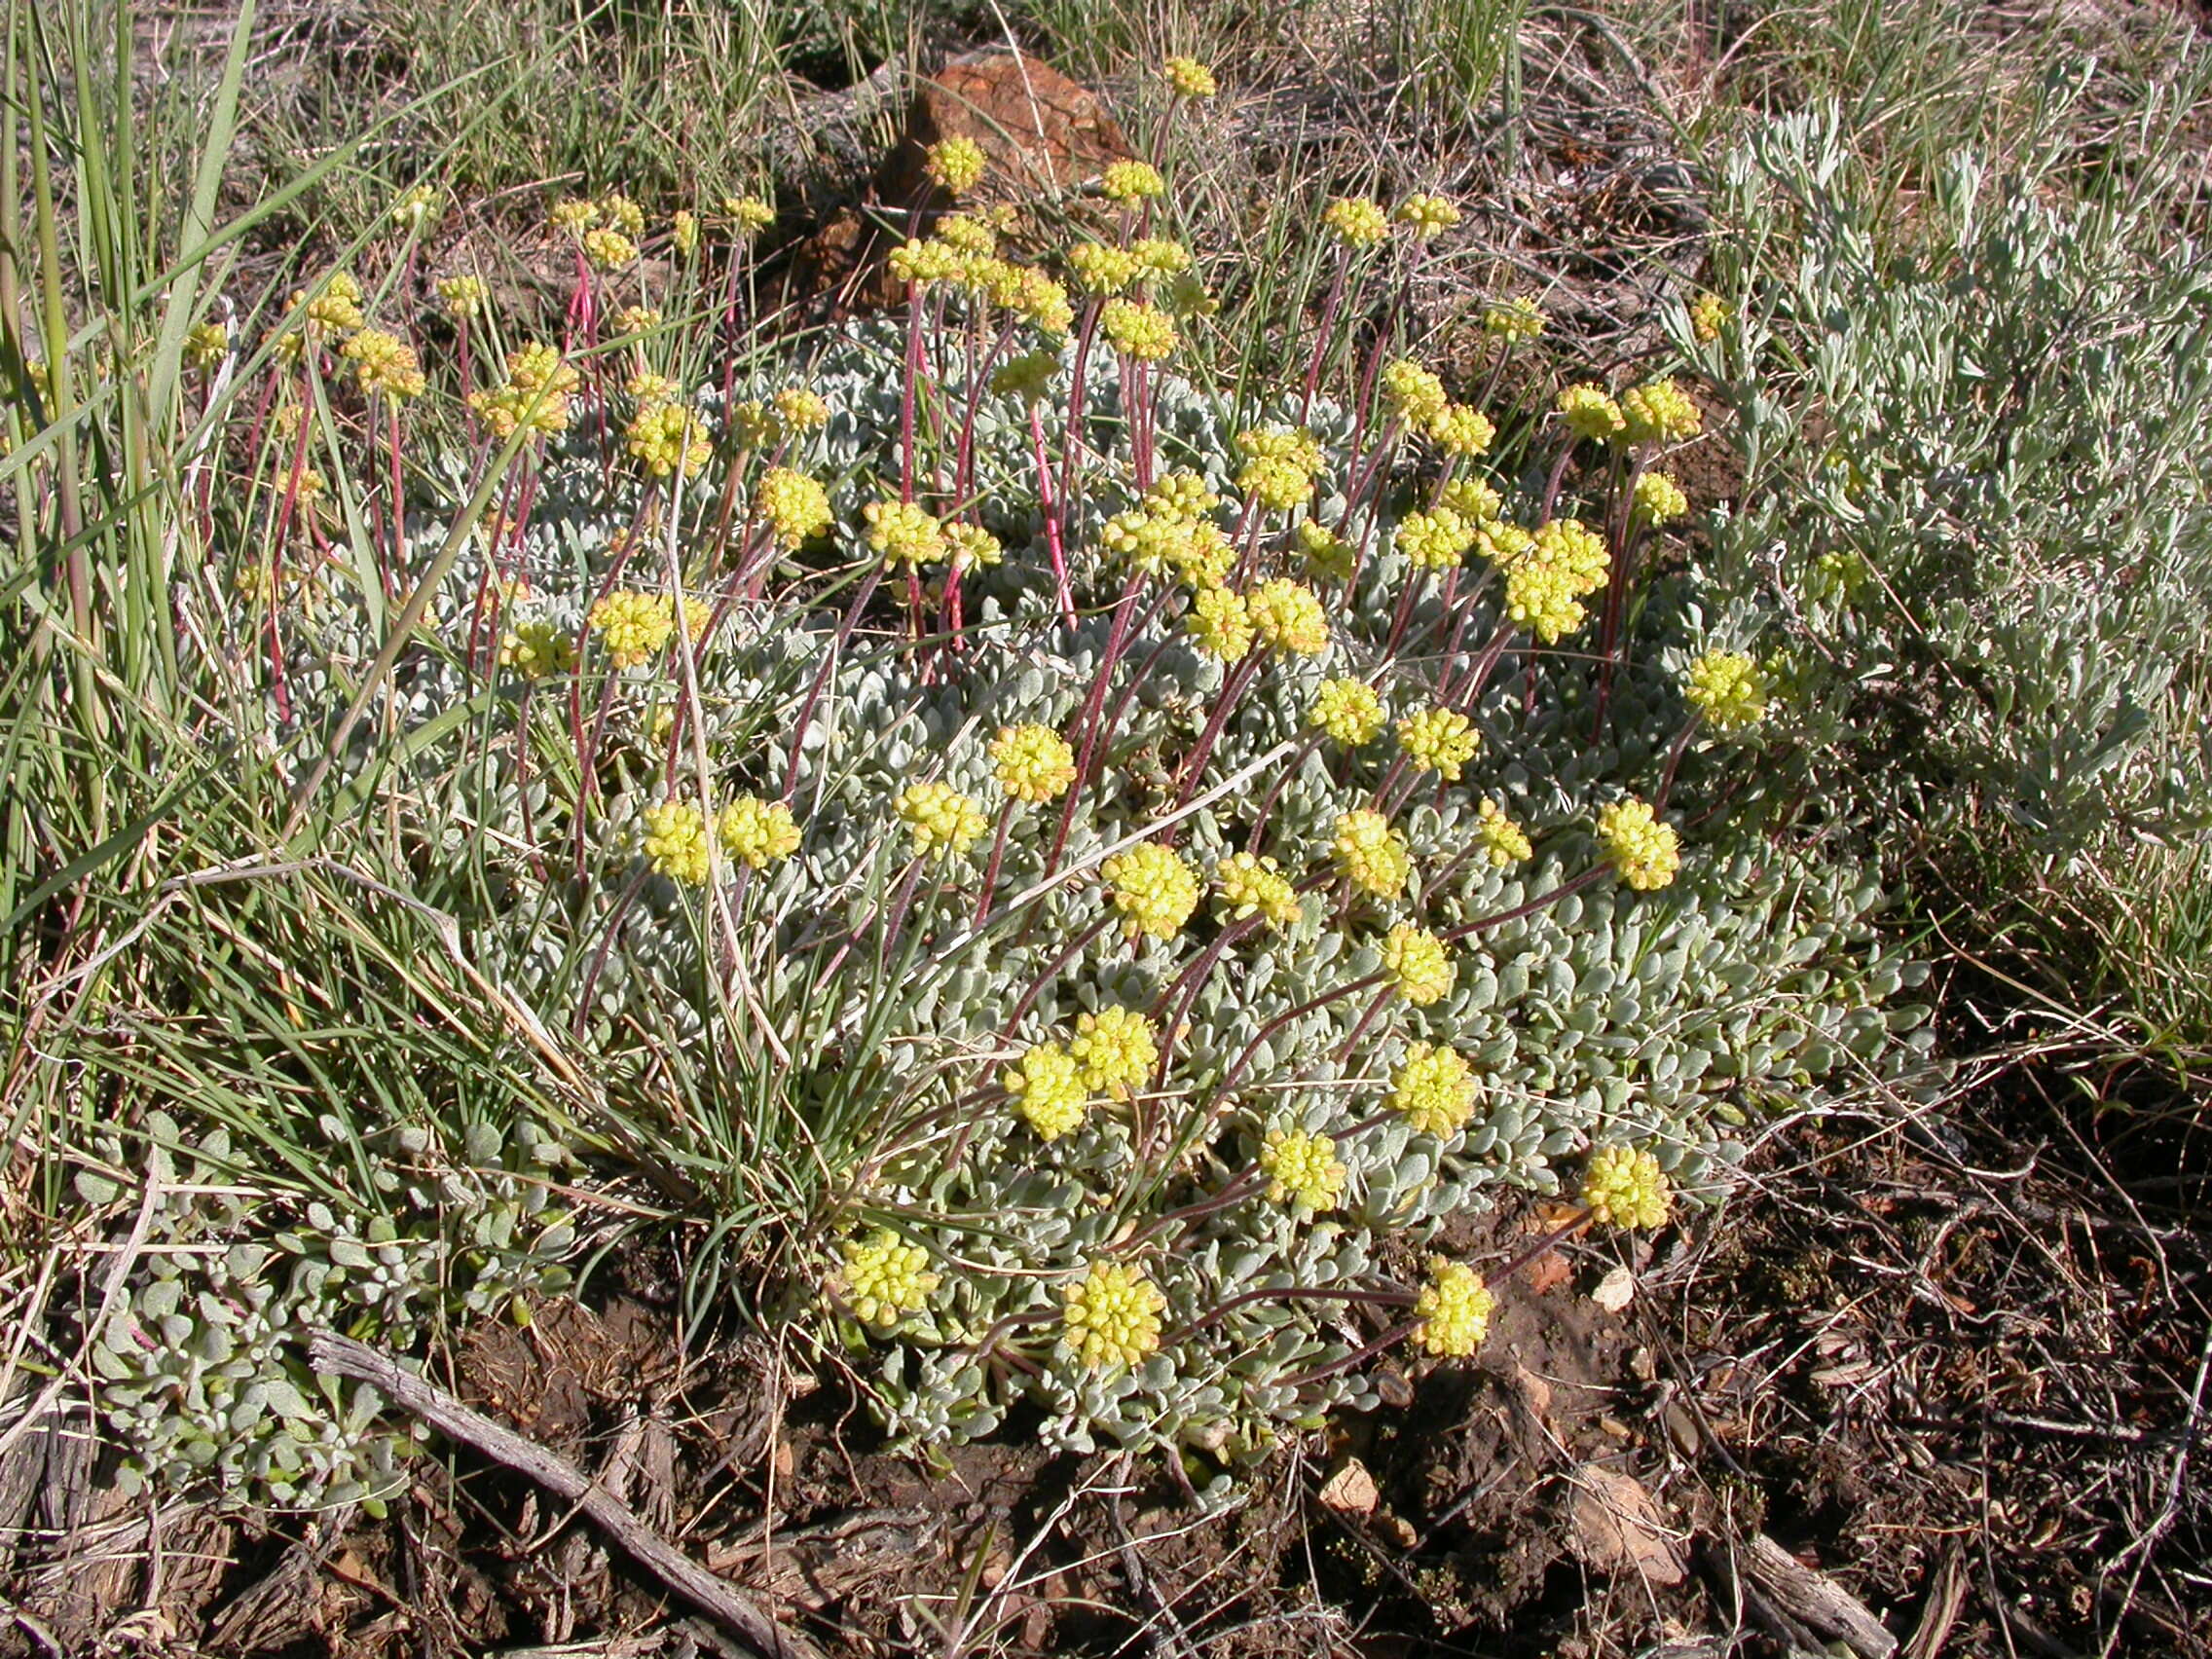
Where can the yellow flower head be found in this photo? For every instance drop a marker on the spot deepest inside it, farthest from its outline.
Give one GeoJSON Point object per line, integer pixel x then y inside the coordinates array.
{"type": "Point", "coordinates": [676, 841]}
{"type": "Point", "coordinates": [1140, 331]}
{"type": "Point", "coordinates": [1645, 851]}
{"type": "Point", "coordinates": [1132, 181]}
{"type": "Point", "coordinates": [1659, 412]}
{"type": "Point", "coordinates": [1180, 496]}
{"type": "Point", "coordinates": [1249, 885]}
{"type": "Point", "coordinates": [941, 819]}
{"type": "Point", "coordinates": [1416, 393]}
{"type": "Point", "coordinates": [1033, 762]}
{"type": "Point", "coordinates": [1349, 711]}
{"type": "Point", "coordinates": [793, 505]}
{"type": "Point", "coordinates": [1328, 555]}
{"type": "Point", "coordinates": [967, 234]}
{"type": "Point", "coordinates": [1117, 1050]}
{"type": "Point", "coordinates": [1433, 1090]}
{"type": "Point", "coordinates": [1623, 1186]}
{"type": "Point", "coordinates": [886, 1277]}
{"type": "Point", "coordinates": [1590, 413]}
{"type": "Point", "coordinates": [1433, 541]}
{"type": "Point", "coordinates": [537, 649]}
{"type": "Point", "coordinates": [1102, 270]}
{"type": "Point", "coordinates": [905, 533]}
{"type": "Point", "coordinates": [384, 365]}
{"type": "Point", "coordinates": [206, 343]}
{"type": "Point", "coordinates": [1473, 500]}
{"type": "Point", "coordinates": [573, 216]}
{"type": "Point", "coordinates": [666, 438]}
{"type": "Point", "coordinates": [1658, 499]}
{"type": "Point", "coordinates": [758, 833]}
{"type": "Point", "coordinates": [956, 164]}
{"type": "Point", "coordinates": [1504, 842]}
{"type": "Point", "coordinates": [1708, 314]}
{"type": "Point", "coordinates": [1027, 377]}
{"type": "Point", "coordinates": [1041, 302]}
{"type": "Point", "coordinates": [1219, 624]}
{"type": "Point", "coordinates": [624, 214]}
{"type": "Point", "coordinates": [1277, 483]}
{"type": "Point", "coordinates": [749, 214]}
{"type": "Point", "coordinates": [1288, 616]}
{"type": "Point", "coordinates": [1514, 321]}
{"type": "Point", "coordinates": [919, 263]}
{"type": "Point", "coordinates": [608, 249]}
{"type": "Point", "coordinates": [1045, 1088]}
{"type": "Point", "coordinates": [971, 547]}
{"type": "Point", "coordinates": [1462, 429]}
{"type": "Point", "coordinates": [1728, 689]}
{"type": "Point", "coordinates": [1373, 855]}
{"type": "Point", "coordinates": [800, 409]}
{"type": "Point", "coordinates": [635, 319]}
{"type": "Point", "coordinates": [684, 232]}
{"type": "Point", "coordinates": [1110, 1317]}
{"type": "Point", "coordinates": [1454, 1308]}
{"type": "Point", "coordinates": [1426, 216]}
{"type": "Point", "coordinates": [1355, 221]}
{"type": "Point", "coordinates": [633, 627]}
{"type": "Point", "coordinates": [1160, 256]}
{"type": "Point", "coordinates": [1303, 1170]}
{"type": "Point", "coordinates": [1439, 740]}
{"type": "Point", "coordinates": [417, 207]}
{"type": "Point", "coordinates": [463, 297]}
{"type": "Point", "coordinates": [1417, 966]}
{"type": "Point", "coordinates": [1190, 78]}
{"type": "Point", "coordinates": [1153, 888]}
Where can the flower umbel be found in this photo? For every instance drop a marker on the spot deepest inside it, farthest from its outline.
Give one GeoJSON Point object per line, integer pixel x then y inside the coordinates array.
{"type": "Point", "coordinates": [1116, 1049]}
{"type": "Point", "coordinates": [1371, 853]}
{"type": "Point", "coordinates": [1623, 1186]}
{"type": "Point", "coordinates": [1302, 1168]}
{"type": "Point", "coordinates": [1416, 965]}
{"type": "Point", "coordinates": [758, 833]}
{"type": "Point", "coordinates": [1032, 762]}
{"type": "Point", "coordinates": [1046, 1087]}
{"type": "Point", "coordinates": [1433, 1090]}
{"type": "Point", "coordinates": [941, 819]}
{"type": "Point", "coordinates": [676, 841]}
{"type": "Point", "coordinates": [1439, 740]}
{"type": "Point", "coordinates": [886, 1277]}
{"type": "Point", "coordinates": [1349, 711]}
{"type": "Point", "coordinates": [1153, 889]}
{"type": "Point", "coordinates": [1645, 851]}
{"type": "Point", "coordinates": [1728, 689]}
{"type": "Point", "coordinates": [1454, 1308]}
{"type": "Point", "coordinates": [1250, 885]}
{"type": "Point", "coordinates": [1112, 1315]}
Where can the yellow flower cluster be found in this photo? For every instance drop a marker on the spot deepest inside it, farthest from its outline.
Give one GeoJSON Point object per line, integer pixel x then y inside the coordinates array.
{"type": "Point", "coordinates": [802, 410]}
{"type": "Point", "coordinates": [1728, 689]}
{"type": "Point", "coordinates": [1160, 256]}
{"type": "Point", "coordinates": [206, 343]}
{"type": "Point", "coordinates": [633, 627]}
{"type": "Point", "coordinates": [1219, 624]}
{"type": "Point", "coordinates": [1190, 78]}
{"type": "Point", "coordinates": [1474, 501]}
{"type": "Point", "coordinates": [1279, 466]}
{"type": "Point", "coordinates": [1032, 762]}
{"type": "Point", "coordinates": [676, 841]}
{"type": "Point", "coordinates": [1181, 496]}
{"type": "Point", "coordinates": [1623, 1186]}
{"type": "Point", "coordinates": [463, 297]}
{"type": "Point", "coordinates": [793, 505]}
{"type": "Point", "coordinates": [1417, 966]}
{"type": "Point", "coordinates": [1302, 1168]}
{"type": "Point", "coordinates": [1132, 181]}
{"type": "Point", "coordinates": [684, 232]}
{"type": "Point", "coordinates": [1657, 498]}
{"type": "Point", "coordinates": [1102, 270]}
{"type": "Point", "coordinates": [334, 313]}
{"type": "Point", "coordinates": [1414, 392]}
{"type": "Point", "coordinates": [1504, 842]}
{"type": "Point", "coordinates": [1110, 1317]}
{"type": "Point", "coordinates": [1047, 1090]}
{"type": "Point", "coordinates": [1439, 740]}
{"type": "Point", "coordinates": [1288, 616]}
{"type": "Point", "coordinates": [1328, 556]}
{"type": "Point", "coordinates": [758, 833]}
{"type": "Point", "coordinates": [1426, 216]}
{"type": "Point", "coordinates": [1137, 330]}
{"type": "Point", "coordinates": [956, 164]}
{"type": "Point", "coordinates": [1248, 884]}
{"type": "Point", "coordinates": [965, 232]}
{"type": "Point", "coordinates": [1645, 851]}
{"type": "Point", "coordinates": [1116, 1051]}
{"type": "Point", "coordinates": [1349, 711]}
{"type": "Point", "coordinates": [749, 214]}
{"type": "Point", "coordinates": [940, 817]}
{"type": "Point", "coordinates": [666, 438]}
{"type": "Point", "coordinates": [886, 1277]}
{"type": "Point", "coordinates": [1564, 563]}
{"type": "Point", "coordinates": [416, 207]}
{"type": "Point", "coordinates": [384, 364]}
{"type": "Point", "coordinates": [1433, 1088]}
{"type": "Point", "coordinates": [647, 387]}
{"type": "Point", "coordinates": [1708, 314]}
{"type": "Point", "coordinates": [1454, 1308]}
{"type": "Point", "coordinates": [971, 547]}
{"type": "Point", "coordinates": [1659, 411]}
{"type": "Point", "coordinates": [1514, 321]}
{"type": "Point", "coordinates": [537, 649]}
{"type": "Point", "coordinates": [1153, 889]}
{"type": "Point", "coordinates": [635, 319]}
{"type": "Point", "coordinates": [1433, 540]}
{"type": "Point", "coordinates": [1373, 855]}
{"type": "Point", "coordinates": [919, 263]}
{"type": "Point", "coordinates": [1462, 429]}
{"type": "Point", "coordinates": [608, 249]}
{"type": "Point", "coordinates": [535, 394]}
{"type": "Point", "coordinates": [1590, 413]}
{"type": "Point", "coordinates": [1355, 221]}
{"type": "Point", "coordinates": [905, 533]}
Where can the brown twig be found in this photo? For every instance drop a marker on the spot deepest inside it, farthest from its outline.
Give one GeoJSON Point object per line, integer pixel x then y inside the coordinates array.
{"type": "Point", "coordinates": [342, 1356]}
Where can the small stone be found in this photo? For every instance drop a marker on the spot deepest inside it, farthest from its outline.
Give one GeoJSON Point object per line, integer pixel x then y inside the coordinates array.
{"type": "Point", "coordinates": [1615, 1291]}
{"type": "Point", "coordinates": [1351, 1490]}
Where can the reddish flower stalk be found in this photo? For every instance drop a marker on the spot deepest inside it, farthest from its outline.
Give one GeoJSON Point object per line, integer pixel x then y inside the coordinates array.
{"type": "Point", "coordinates": [1326, 333]}
{"type": "Point", "coordinates": [1064, 592]}
{"type": "Point", "coordinates": [1116, 640]}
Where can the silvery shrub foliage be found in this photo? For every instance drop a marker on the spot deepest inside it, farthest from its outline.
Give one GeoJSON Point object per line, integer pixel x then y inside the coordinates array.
{"type": "Point", "coordinates": [835, 1029]}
